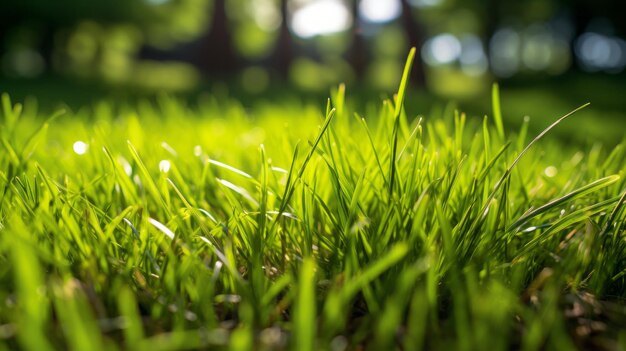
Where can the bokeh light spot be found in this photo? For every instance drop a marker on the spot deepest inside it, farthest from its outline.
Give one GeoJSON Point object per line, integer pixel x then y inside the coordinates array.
{"type": "Point", "coordinates": [424, 3]}
{"type": "Point", "coordinates": [378, 11]}
{"type": "Point", "coordinates": [441, 49]}
{"type": "Point", "coordinates": [164, 166]}
{"type": "Point", "coordinates": [599, 52]}
{"type": "Point", "coordinates": [80, 147]}
{"type": "Point", "coordinates": [504, 52]}
{"type": "Point", "coordinates": [321, 18]}
{"type": "Point", "coordinates": [266, 16]}
{"type": "Point", "coordinates": [550, 171]}
{"type": "Point", "coordinates": [473, 59]}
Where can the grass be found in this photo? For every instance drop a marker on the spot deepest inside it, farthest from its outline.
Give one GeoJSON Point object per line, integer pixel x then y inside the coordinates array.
{"type": "Point", "coordinates": [284, 228]}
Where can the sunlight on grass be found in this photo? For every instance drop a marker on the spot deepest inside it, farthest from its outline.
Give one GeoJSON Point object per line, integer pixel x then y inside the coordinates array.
{"type": "Point", "coordinates": [295, 227]}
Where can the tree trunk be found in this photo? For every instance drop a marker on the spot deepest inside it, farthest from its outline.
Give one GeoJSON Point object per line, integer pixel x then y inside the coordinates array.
{"type": "Point", "coordinates": [358, 56]}
{"type": "Point", "coordinates": [583, 15]}
{"type": "Point", "coordinates": [492, 16]}
{"type": "Point", "coordinates": [282, 56]}
{"type": "Point", "coordinates": [415, 35]}
{"type": "Point", "coordinates": [47, 45]}
{"type": "Point", "coordinates": [216, 54]}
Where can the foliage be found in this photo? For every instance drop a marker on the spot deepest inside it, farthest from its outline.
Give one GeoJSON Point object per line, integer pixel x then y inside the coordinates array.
{"type": "Point", "coordinates": [159, 21]}
{"type": "Point", "coordinates": [462, 43]}
{"type": "Point", "coordinates": [171, 228]}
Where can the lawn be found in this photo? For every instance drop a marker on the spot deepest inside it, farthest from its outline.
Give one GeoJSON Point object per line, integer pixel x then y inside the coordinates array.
{"type": "Point", "coordinates": [154, 225]}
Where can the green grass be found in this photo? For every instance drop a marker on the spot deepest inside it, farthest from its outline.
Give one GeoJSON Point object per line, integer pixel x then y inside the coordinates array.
{"type": "Point", "coordinates": [287, 227]}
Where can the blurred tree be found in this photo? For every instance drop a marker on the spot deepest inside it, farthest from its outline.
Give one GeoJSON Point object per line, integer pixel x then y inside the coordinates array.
{"type": "Point", "coordinates": [216, 53]}
{"type": "Point", "coordinates": [415, 34]}
{"type": "Point", "coordinates": [357, 55]}
{"type": "Point", "coordinates": [282, 56]}
{"type": "Point", "coordinates": [159, 22]}
{"type": "Point", "coordinates": [222, 37]}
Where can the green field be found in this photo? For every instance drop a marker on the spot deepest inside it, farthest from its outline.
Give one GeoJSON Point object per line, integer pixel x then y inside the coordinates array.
{"type": "Point", "coordinates": [158, 226]}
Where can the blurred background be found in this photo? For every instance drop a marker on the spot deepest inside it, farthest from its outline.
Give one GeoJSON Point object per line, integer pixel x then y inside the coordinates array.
{"type": "Point", "coordinates": [549, 56]}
